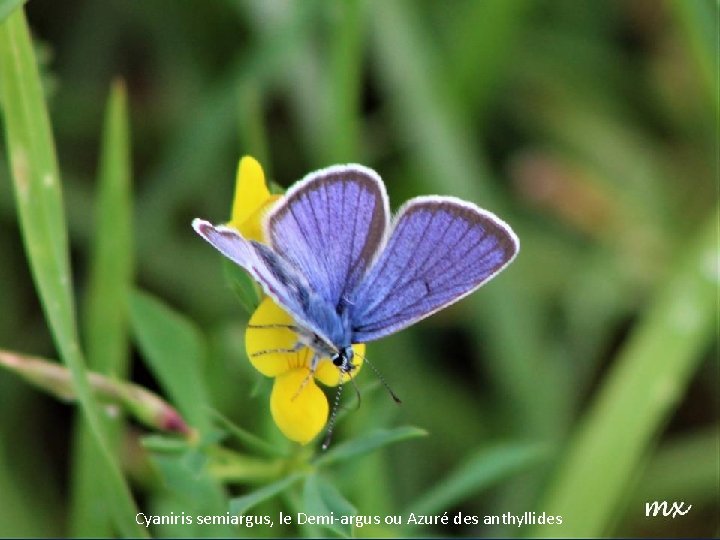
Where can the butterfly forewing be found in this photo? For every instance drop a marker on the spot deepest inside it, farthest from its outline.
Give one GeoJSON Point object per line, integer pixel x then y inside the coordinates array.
{"type": "Point", "coordinates": [330, 226]}
{"type": "Point", "coordinates": [278, 279]}
{"type": "Point", "coordinates": [440, 250]}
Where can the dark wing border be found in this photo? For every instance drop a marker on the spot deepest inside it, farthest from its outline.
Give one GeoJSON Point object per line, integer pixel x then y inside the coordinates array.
{"type": "Point", "coordinates": [328, 254]}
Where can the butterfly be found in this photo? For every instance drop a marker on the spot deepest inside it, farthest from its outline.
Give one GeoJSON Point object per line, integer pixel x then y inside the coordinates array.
{"type": "Point", "coordinates": [347, 274]}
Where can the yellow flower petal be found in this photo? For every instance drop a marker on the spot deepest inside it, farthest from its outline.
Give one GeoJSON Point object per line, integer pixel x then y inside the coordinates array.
{"type": "Point", "coordinates": [252, 228]}
{"type": "Point", "coordinates": [328, 374]}
{"type": "Point", "coordinates": [300, 416]}
{"type": "Point", "coordinates": [270, 338]}
{"type": "Point", "coordinates": [251, 193]}
{"type": "Point", "coordinates": [265, 333]}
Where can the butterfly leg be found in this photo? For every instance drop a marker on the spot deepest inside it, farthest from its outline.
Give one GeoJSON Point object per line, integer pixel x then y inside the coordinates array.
{"type": "Point", "coordinates": [313, 366]}
{"type": "Point", "coordinates": [295, 348]}
{"type": "Point", "coordinates": [290, 327]}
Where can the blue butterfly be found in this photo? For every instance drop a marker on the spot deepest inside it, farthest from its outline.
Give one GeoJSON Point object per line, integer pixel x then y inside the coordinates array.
{"type": "Point", "coordinates": [346, 274]}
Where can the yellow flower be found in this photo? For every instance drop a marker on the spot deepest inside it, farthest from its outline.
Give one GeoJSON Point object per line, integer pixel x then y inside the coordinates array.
{"type": "Point", "coordinates": [298, 406]}
{"type": "Point", "coordinates": [252, 199]}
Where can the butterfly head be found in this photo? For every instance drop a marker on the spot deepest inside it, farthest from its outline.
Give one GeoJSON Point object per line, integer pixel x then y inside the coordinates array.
{"type": "Point", "coordinates": [343, 359]}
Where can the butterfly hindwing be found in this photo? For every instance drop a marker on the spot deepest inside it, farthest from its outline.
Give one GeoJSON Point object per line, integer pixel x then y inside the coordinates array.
{"type": "Point", "coordinates": [440, 250]}
{"type": "Point", "coordinates": [330, 226]}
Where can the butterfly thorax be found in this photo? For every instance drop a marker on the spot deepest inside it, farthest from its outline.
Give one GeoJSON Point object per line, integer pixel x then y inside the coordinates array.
{"type": "Point", "coordinates": [341, 357]}
{"type": "Point", "coordinates": [336, 341]}
{"type": "Point", "coordinates": [345, 354]}
{"type": "Point", "coordinates": [331, 323]}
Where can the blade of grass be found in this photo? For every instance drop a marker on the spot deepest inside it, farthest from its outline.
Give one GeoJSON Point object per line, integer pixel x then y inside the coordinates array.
{"type": "Point", "coordinates": [341, 116]}
{"type": "Point", "coordinates": [480, 471]}
{"type": "Point", "coordinates": [106, 304]}
{"type": "Point", "coordinates": [485, 35]}
{"type": "Point", "coordinates": [111, 266]}
{"type": "Point", "coordinates": [649, 377]}
{"type": "Point", "coordinates": [699, 20]}
{"type": "Point", "coordinates": [38, 197]}
{"type": "Point", "coordinates": [7, 7]}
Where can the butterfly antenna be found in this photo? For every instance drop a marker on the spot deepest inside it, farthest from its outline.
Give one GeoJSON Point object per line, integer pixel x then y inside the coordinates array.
{"type": "Point", "coordinates": [331, 423]}
{"type": "Point", "coordinates": [357, 392]}
{"type": "Point", "coordinates": [396, 399]}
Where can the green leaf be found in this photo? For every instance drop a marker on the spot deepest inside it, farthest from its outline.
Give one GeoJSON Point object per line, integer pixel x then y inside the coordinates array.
{"type": "Point", "coordinates": [242, 285]}
{"type": "Point", "coordinates": [648, 379]}
{"type": "Point", "coordinates": [174, 350]}
{"type": "Point", "coordinates": [240, 505]}
{"type": "Point", "coordinates": [38, 197]}
{"type": "Point", "coordinates": [106, 309]}
{"type": "Point", "coordinates": [249, 440]}
{"type": "Point", "coordinates": [483, 469]}
{"type": "Point", "coordinates": [368, 443]}
{"type": "Point", "coordinates": [190, 488]}
{"type": "Point", "coordinates": [320, 498]}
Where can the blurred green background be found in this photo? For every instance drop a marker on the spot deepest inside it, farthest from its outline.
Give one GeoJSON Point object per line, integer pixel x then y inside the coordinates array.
{"type": "Point", "coordinates": [582, 382]}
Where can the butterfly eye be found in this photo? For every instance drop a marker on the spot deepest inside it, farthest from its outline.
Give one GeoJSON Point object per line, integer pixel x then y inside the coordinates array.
{"type": "Point", "coordinates": [337, 360]}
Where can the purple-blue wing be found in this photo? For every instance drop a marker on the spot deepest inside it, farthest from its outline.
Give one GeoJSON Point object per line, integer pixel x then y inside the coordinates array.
{"type": "Point", "coordinates": [440, 250]}
{"type": "Point", "coordinates": [278, 279]}
{"type": "Point", "coordinates": [330, 226]}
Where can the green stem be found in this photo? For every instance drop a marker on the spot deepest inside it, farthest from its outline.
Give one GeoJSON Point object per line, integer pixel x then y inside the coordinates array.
{"type": "Point", "coordinates": [54, 379]}
{"type": "Point", "coordinates": [233, 468]}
